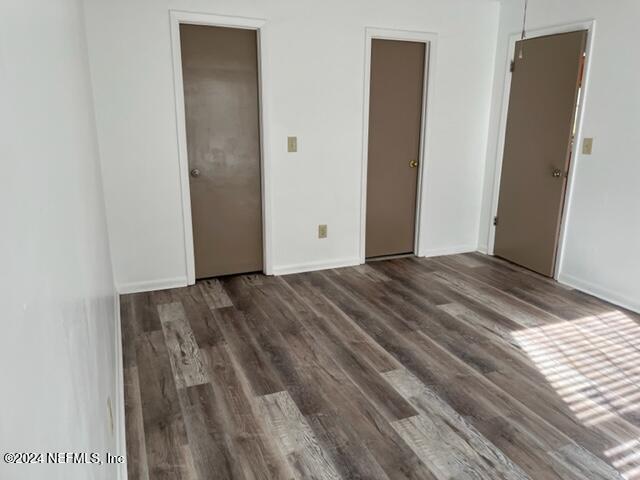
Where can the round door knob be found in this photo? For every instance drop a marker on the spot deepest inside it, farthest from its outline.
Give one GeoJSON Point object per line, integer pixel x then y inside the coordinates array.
{"type": "Point", "coordinates": [556, 173]}
{"type": "Point", "coordinates": [195, 173]}
{"type": "Point", "coordinates": [413, 163]}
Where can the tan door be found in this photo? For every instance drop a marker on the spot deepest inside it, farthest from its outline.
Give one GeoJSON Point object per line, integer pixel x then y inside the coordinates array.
{"type": "Point", "coordinates": [220, 72]}
{"type": "Point", "coordinates": [542, 108]}
{"type": "Point", "coordinates": [395, 118]}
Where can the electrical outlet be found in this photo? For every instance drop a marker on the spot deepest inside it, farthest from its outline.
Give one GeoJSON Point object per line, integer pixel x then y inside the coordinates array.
{"type": "Point", "coordinates": [587, 146]}
{"type": "Point", "coordinates": [292, 144]}
{"type": "Point", "coordinates": [322, 231]}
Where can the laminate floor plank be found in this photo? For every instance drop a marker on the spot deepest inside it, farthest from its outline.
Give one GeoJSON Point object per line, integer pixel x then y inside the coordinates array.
{"type": "Point", "coordinates": [328, 390]}
{"type": "Point", "coordinates": [413, 277]}
{"type": "Point", "coordinates": [395, 336]}
{"type": "Point", "coordinates": [214, 294]}
{"type": "Point", "coordinates": [252, 358]}
{"type": "Point", "coordinates": [144, 311]}
{"type": "Point", "coordinates": [339, 395]}
{"type": "Point", "coordinates": [190, 470]}
{"type": "Point", "coordinates": [522, 313]}
{"type": "Point", "coordinates": [520, 401]}
{"type": "Point", "coordinates": [420, 355]}
{"type": "Point", "coordinates": [384, 453]}
{"type": "Point", "coordinates": [445, 439]}
{"type": "Point", "coordinates": [252, 448]}
{"type": "Point", "coordinates": [533, 290]}
{"type": "Point", "coordinates": [137, 466]}
{"type": "Point", "coordinates": [362, 373]}
{"type": "Point", "coordinates": [458, 367]}
{"type": "Point", "coordinates": [351, 332]}
{"type": "Point", "coordinates": [528, 451]}
{"type": "Point", "coordinates": [130, 331]}
{"type": "Point", "coordinates": [277, 336]}
{"type": "Point", "coordinates": [209, 438]}
{"type": "Point", "coordinates": [200, 316]}
{"type": "Point", "coordinates": [466, 340]}
{"type": "Point", "coordinates": [296, 438]}
{"type": "Point", "coordinates": [536, 288]}
{"type": "Point", "coordinates": [523, 387]}
{"type": "Point", "coordinates": [459, 339]}
{"type": "Point", "coordinates": [585, 465]}
{"type": "Point", "coordinates": [183, 349]}
{"type": "Point", "coordinates": [164, 428]}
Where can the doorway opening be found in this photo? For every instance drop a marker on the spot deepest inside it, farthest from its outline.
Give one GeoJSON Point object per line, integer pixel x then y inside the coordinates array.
{"type": "Point", "coordinates": [218, 85]}
{"type": "Point", "coordinates": [540, 128]}
{"type": "Point", "coordinates": [397, 83]}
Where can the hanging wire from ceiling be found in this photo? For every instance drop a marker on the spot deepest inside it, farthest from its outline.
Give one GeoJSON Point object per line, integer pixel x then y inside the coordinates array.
{"type": "Point", "coordinates": [524, 26]}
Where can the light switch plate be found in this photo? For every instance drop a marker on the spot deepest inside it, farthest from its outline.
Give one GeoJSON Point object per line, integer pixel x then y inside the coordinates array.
{"type": "Point", "coordinates": [292, 144]}
{"type": "Point", "coordinates": [322, 231]}
{"type": "Point", "coordinates": [587, 146]}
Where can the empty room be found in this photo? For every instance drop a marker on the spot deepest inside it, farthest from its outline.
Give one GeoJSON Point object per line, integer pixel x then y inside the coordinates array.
{"type": "Point", "coordinates": [304, 239]}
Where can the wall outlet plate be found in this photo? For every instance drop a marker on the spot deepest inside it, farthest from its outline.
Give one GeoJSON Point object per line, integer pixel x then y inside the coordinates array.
{"type": "Point", "coordinates": [322, 231]}
{"type": "Point", "coordinates": [292, 144]}
{"type": "Point", "coordinates": [587, 146]}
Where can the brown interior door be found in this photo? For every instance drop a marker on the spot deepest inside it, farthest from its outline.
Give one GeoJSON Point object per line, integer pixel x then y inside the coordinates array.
{"type": "Point", "coordinates": [220, 73]}
{"type": "Point", "coordinates": [395, 118]}
{"type": "Point", "coordinates": [542, 108]}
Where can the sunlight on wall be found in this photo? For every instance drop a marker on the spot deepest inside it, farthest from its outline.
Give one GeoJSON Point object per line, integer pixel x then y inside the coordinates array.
{"type": "Point", "coordinates": [594, 365]}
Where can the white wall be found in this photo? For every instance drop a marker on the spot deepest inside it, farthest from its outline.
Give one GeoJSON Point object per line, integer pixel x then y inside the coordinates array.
{"type": "Point", "coordinates": [315, 77]}
{"type": "Point", "coordinates": [602, 252]}
{"type": "Point", "coordinates": [56, 286]}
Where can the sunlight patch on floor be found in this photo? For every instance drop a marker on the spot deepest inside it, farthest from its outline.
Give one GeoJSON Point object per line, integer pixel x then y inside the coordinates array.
{"type": "Point", "coordinates": [593, 363]}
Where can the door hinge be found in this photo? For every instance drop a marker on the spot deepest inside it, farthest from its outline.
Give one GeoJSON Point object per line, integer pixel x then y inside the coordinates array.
{"type": "Point", "coordinates": [512, 68]}
{"type": "Point", "coordinates": [495, 221]}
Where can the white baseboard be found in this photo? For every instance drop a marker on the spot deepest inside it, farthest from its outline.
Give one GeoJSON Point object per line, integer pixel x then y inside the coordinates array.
{"type": "Point", "coordinates": [119, 420]}
{"type": "Point", "coordinates": [152, 285]}
{"type": "Point", "coordinates": [438, 252]}
{"type": "Point", "coordinates": [600, 292]}
{"type": "Point", "coordinates": [483, 249]}
{"type": "Point", "coordinates": [314, 266]}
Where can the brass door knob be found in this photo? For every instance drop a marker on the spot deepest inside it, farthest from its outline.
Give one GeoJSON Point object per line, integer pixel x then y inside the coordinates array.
{"type": "Point", "coordinates": [557, 173]}
{"type": "Point", "coordinates": [195, 173]}
{"type": "Point", "coordinates": [413, 163]}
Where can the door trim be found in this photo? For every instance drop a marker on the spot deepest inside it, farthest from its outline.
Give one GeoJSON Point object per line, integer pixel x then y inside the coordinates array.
{"type": "Point", "coordinates": [590, 26]}
{"type": "Point", "coordinates": [178, 17]}
{"type": "Point", "coordinates": [430, 40]}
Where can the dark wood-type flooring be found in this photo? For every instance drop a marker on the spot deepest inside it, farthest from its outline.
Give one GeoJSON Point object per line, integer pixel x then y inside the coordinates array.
{"type": "Point", "coordinates": [459, 367]}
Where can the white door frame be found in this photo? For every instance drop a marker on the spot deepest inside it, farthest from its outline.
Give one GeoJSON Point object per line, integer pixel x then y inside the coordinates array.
{"type": "Point", "coordinates": [590, 26]}
{"type": "Point", "coordinates": [430, 40]}
{"type": "Point", "coordinates": [178, 17]}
